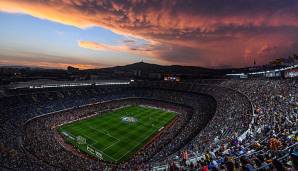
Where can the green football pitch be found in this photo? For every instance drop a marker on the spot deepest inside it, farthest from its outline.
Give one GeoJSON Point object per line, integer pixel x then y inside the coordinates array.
{"type": "Point", "coordinates": [116, 135]}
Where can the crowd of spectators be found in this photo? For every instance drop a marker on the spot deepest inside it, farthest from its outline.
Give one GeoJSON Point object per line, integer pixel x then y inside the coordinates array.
{"type": "Point", "coordinates": [239, 124]}
{"type": "Point", "coordinates": [271, 141]}
{"type": "Point", "coordinates": [173, 137]}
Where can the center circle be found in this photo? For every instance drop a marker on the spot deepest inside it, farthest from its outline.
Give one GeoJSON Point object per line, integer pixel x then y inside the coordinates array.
{"type": "Point", "coordinates": [129, 119]}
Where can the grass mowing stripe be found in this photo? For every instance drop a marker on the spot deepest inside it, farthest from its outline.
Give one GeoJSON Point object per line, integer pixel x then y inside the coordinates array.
{"type": "Point", "coordinates": [114, 138]}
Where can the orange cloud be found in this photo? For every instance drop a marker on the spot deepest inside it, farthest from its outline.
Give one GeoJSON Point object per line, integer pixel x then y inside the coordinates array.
{"type": "Point", "coordinates": [129, 47]}
{"type": "Point", "coordinates": [47, 64]}
{"type": "Point", "coordinates": [197, 32]}
{"type": "Point", "coordinates": [138, 16]}
{"type": "Point", "coordinates": [24, 58]}
{"type": "Point", "coordinates": [97, 46]}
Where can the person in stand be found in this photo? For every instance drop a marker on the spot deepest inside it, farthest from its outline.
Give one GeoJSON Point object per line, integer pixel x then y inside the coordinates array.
{"type": "Point", "coordinates": [277, 165]}
{"type": "Point", "coordinates": [274, 144]}
{"type": "Point", "coordinates": [204, 166]}
{"type": "Point", "coordinates": [184, 157]}
{"type": "Point", "coordinates": [294, 160]}
{"type": "Point", "coordinates": [246, 165]}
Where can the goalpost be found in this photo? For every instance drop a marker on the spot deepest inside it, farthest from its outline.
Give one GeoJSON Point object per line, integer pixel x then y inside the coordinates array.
{"type": "Point", "coordinates": [89, 148]}
{"type": "Point", "coordinates": [81, 140]}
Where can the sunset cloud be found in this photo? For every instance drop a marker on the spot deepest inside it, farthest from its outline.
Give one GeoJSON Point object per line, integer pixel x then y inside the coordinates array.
{"type": "Point", "coordinates": [127, 47]}
{"type": "Point", "coordinates": [43, 64]}
{"type": "Point", "coordinates": [46, 61]}
{"type": "Point", "coordinates": [195, 32]}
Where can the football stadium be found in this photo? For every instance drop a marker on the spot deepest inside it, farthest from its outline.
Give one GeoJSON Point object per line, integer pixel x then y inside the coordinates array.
{"type": "Point", "coordinates": [149, 85]}
{"type": "Point", "coordinates": [149, 125]}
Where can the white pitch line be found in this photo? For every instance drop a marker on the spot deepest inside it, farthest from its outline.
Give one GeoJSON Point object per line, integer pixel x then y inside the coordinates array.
{"type": "Point", "coordinates": [104, 153]}
{"type": "Point", "coordinates": [133, 148]}
{"type": "Point", "coordinates": [85, 135]}
{"type": "Point", "coordinates": [137, 144]}
{"type": "Point", "coordinates": [97, 148]}
{"type": "Point", "coordinates": [117, 140]}
{"type": "Point", "coordinates": [90, 139]}
{"type": "Point", "coordinates": [111, 145]}
{"type": "Point", "coordinates": [100, 150]}
{"type": "Point", "coordinates": [104, 133]}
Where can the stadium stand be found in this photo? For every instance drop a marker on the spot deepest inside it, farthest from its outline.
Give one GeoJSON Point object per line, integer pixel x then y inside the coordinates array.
{"type": "Point", "coordinates": [231, 125]}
